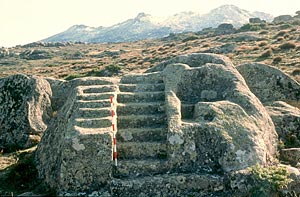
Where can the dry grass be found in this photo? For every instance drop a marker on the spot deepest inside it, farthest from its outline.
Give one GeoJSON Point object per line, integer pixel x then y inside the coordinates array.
{"type": "Point", "coordinates": [139, 56]}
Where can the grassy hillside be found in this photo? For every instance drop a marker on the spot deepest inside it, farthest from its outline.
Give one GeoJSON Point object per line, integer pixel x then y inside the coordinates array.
{"type": "Point", "coordinates": [274, 44]}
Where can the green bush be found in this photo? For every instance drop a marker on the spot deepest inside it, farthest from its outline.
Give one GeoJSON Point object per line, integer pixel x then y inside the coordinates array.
{"type": "Point", "coordinates": [190, 38]}
{"type": "Point", "coordinates": [252, 27]}
{"type": "Point", "coordinates": [277, 60]}
{"type": "Point", "coordinates": [113, 68]}
{"type": "Point", "coordinates": [285, 26]}
{"type": "Point", "coordinates": [74, 76]}
{"type": "Point", "coordinates": [269, 179]}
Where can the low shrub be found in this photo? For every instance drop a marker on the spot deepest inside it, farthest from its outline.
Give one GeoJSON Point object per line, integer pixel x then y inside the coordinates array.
{"type": "Point", "coordinates": [264, 32]}
{"type": "Point", "coordinates": [74, 76]}
{"type": "Point", "coordinates": [277, 60]}
{"type": "Point", "coordinates": [285, 26]}
{"type": "Point", "coordinates": [113, 68]}
{"type": "Point", "coordinates": [263, 43]}
{"type": "Point", "coordinates": [280, 38]}
{"type": "Point", "coordinates": [250, 27]}
{"type": "Point", "coordinates": [281, 33]}
{"type": "Point", "coordinates": [287, 46]}
{"type": "Point", "coordinates": [267, 53]}
{"type": "Point", "coordinates": [269, 180]}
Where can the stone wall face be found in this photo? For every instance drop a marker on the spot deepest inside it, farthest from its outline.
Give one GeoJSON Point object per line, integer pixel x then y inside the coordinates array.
{"type": "Point", "coordinates": [226, 116]}
{"type": "Point", "coordinates": [70, 158]}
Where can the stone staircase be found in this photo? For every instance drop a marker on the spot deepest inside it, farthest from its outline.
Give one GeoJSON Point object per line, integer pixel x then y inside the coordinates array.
{"type": "Point", "coordinates": [142, 126]}
{"type": "Point", "coordinates": [143, 166]}
{"type": "Point", "coordinates": [94, 110]}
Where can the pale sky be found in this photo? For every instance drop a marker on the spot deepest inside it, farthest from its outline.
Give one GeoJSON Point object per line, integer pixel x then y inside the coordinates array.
{"type": "Point", "coordinates": [25, 21]}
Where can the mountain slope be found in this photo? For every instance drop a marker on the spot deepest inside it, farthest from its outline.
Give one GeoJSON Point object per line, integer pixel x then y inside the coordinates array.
{"type": "Point", "coordinates": [141, 27]}
{"type": "Point", "coordinates": [145, 26]}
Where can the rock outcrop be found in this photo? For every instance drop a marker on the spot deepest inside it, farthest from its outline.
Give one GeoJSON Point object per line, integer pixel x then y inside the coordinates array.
{"type": "Point", "coordinates": [210, 95]}
{"type": "Point", "coordinates": [256, 20]}
{"type": "Point", "coordinates": [25, 111]}
{"type": "Point", "coordinates": [269, 84]}
{"type": "Point", "coordinates": [278, 92]}
{"type": "Point", "coordinates": [183, 124]}
{"type": "Point", "coordinates": [36, 54]}
{"type": "Point", "coordinates": [4, 52]}
{"type": "Point", "coordinates": [282, 18]}
{"type": "Point", "coordinates": [287, 122]}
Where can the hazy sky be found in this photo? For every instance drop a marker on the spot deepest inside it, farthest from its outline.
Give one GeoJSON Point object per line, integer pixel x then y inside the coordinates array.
{"type": "Point", "coordinates": [24, 21]}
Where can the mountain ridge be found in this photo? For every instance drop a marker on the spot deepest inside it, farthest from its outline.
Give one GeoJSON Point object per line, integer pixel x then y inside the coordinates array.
{"type": "Point", "coordinates": [146, 26]}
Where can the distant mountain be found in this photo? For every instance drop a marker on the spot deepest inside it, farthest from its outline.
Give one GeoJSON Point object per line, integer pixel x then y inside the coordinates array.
{"type": "Point", "coordinates": [145, 26]}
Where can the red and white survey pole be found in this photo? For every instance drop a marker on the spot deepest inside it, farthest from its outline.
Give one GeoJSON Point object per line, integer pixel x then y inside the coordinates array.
{"type": "Point", "coordinates": [114, 129]}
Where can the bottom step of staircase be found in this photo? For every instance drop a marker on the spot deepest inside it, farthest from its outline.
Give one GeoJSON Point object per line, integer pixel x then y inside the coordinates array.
{"type": "Point", "coordinates": [168, 185]}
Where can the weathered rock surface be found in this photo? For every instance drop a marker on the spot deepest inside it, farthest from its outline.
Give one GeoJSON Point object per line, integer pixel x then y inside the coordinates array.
{"type": "Point", "coordinates": [4, 52]}
{"type": "Point", "coordinates": [268, 83]}
{"type": "Point", "coordinates": [291, 155]}
{"type": "Point", "coordinates": [224, 28]}
{"type": "Point", "coordinates": [223, 113]}
{"type": "Point", "coordinates": [181, 127]}
{"type": "Point", "coordinates": [35, 54]}
{"type": "Point", "coordinates": [287, 122]}
{"type": "Point", "coordinates": [75, 151]}
{"type": "Point", "coordinates": [193, 60]}
{"type": "Point", "coordinates": [25, 110]}
{"type": "Point", "coordinates": [282, 18]}
{"type": "Point", "coordinates": [256, 20]}
{"type": "Point", "coordinates": [47, 44]}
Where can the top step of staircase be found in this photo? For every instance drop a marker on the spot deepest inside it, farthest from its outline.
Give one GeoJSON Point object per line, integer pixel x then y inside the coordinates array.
{"type": "Point", "coordinates": [87, 81]}
{"type": "Point", "coordinates": [144, 87]}
{"type": "Point", "coordinates": [156, 77]}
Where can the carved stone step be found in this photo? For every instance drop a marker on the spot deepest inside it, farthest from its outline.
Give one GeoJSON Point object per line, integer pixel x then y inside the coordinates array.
{"type": "Point", "coordinates": [95, 96]}
{"type": "Point", "coordinates": [168, 185]}
{"type": "Point", "coordinates": [136, 168]}
{"type": "Point", "coordinates": [93, 103]}
{"type": "Point", "coordinates": [142, 134]}
{"type": "Point", "coordinates": [94, 81]}
{"type": "Point", "coordinates": [92, 131]}
{"type": "Point", "coordinates": [141, 150]}
{"type": "Point", "coordinates": [93, 122]}
{"type": "Point", "coordinates": [141, 108]}
{"type": "Point", "coordinates": [148, 87]}
{"type": "Point", "coordinates": [156, 77]}
{"type": "Point", "coordinates": [140, 121]}
{"type": "Point", "coordinates": [93, 112]}
{"type": "Point", "coordinates": [130, 97]}
{"type": "Point", "coordinates": [98, 88]}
